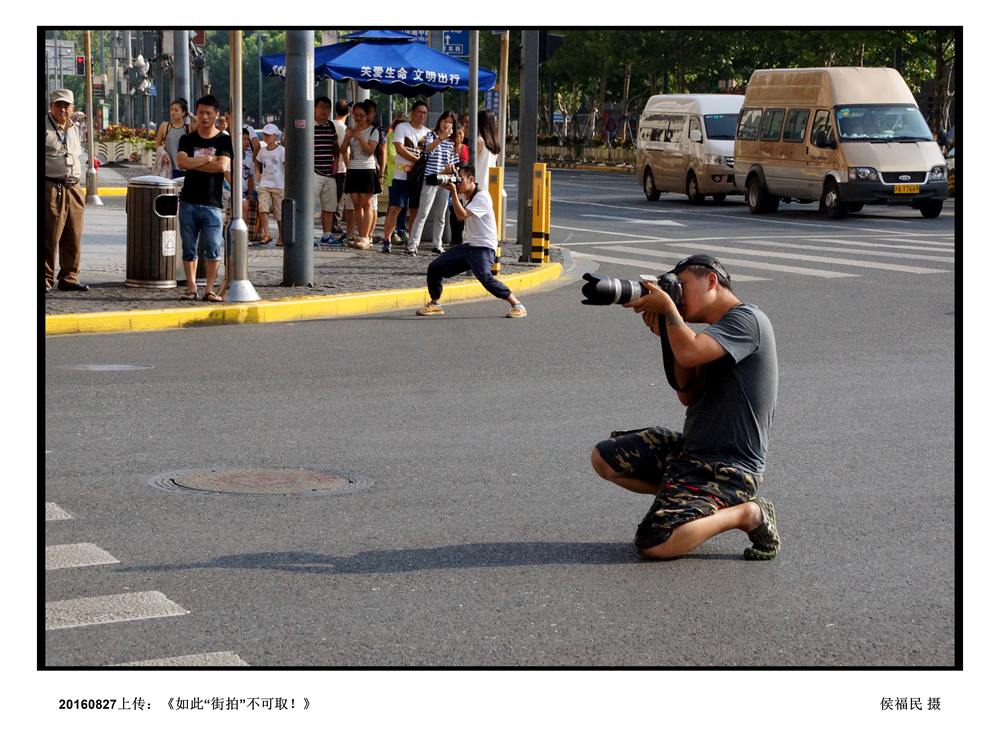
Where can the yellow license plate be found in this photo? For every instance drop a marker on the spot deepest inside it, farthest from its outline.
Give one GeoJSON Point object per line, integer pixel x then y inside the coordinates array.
{"type": "Point", "coordinates": [906, 189]}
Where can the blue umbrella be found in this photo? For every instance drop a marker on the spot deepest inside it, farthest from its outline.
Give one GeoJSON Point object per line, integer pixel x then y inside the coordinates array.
{"type": "Point", "coordinates": [390, 62]}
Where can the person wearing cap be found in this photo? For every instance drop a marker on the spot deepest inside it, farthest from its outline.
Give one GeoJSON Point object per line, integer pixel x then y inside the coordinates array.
{"type": "Point", "coordinates": [63, 195]}
{"type": "Point", "coordinates": [706, 477]}
{"type": "Point", "coordinates": [271, 190]}
{"type": "Point", "coordinates": [204, 155]}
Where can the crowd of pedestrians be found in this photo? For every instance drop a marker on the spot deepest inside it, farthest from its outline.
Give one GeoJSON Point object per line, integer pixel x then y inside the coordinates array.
{"type": "Point", "coordinates": [351, 160]}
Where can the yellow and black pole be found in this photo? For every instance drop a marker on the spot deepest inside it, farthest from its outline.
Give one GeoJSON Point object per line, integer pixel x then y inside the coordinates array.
{"type": "Point", "coordinates": [548, 211]}
{"type": "Point", "coordinates": [538, 212]}
{"type": "Point", "coordinates": [496, 195]}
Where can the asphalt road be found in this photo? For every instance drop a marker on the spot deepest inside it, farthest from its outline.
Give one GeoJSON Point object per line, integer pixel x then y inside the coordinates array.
{"type": "Point", "coordinates": [484, 537]}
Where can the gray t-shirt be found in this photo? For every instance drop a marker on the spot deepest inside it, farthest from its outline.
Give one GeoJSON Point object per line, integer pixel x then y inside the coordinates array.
{"type": "Point", "coordinates": [730, 419]}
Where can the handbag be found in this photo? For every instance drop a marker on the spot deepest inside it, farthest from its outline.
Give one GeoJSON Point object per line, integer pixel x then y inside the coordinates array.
{"type": "Point", "coordinates": [415, 176]}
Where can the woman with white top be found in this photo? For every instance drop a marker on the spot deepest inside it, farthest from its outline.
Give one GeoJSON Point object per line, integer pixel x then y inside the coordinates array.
{"type": "Point", "coordinates": [487, 147]}
{"type": "Point", "coordinates": [441, 147]}
{"type": "Point", "coordinates": [359, 144]}
{"type": "Point", "coordinates": [169, 133]}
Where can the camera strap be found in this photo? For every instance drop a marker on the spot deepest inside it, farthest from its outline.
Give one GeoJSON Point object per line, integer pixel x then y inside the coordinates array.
{"type": "Point", "coordinates": [668, 355]}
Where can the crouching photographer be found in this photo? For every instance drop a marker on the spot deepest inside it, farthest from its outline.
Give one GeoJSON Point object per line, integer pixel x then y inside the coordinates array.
{"type": "Point", "coordinates": [706, 477]}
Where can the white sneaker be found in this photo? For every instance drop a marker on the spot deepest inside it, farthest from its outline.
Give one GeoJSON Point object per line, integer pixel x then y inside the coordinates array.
{"type": "Point", "coordinates": [517, 310]}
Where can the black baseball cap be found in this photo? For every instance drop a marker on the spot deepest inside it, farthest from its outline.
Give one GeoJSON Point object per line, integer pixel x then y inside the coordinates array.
{"type": "Point", "coordinates": [706, 261]}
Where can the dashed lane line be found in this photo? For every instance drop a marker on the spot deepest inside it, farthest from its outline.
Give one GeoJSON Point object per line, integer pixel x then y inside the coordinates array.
{"type": "Point", "coordinates": [847, 251]}
{"type": "Point", "coordinates": [54, 512]}
{"type": "Point", "coordinates": [942, 250]}
{"type": "Point", "coordinates": [91, 611]}
{"type": "Point", "coordinates": [75, 555]}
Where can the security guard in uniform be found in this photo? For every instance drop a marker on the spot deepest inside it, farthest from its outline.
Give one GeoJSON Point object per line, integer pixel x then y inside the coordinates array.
{"type": "Point", "coordinates": [63, 195]}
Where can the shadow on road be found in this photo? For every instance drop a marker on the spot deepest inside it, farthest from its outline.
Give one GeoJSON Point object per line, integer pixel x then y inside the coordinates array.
{"type": "Point", "coordinates": [469, 556]}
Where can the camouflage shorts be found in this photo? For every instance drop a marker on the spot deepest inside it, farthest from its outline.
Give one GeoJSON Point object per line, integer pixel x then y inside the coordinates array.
{"type": "Point", "coordinates": [689, 488]}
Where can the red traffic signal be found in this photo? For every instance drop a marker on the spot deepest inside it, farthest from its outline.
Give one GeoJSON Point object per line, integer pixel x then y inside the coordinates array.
{"type": "Point", "coordinates": [80, 69]}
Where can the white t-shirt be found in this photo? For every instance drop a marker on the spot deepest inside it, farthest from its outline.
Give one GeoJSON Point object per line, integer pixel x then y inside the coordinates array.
{"type": "Point", "coordinates": [406, 131]}
{"type": "Point", "coordinates": [341, 129]}
{"type": "Point", "coordinates": [272, 167]}
{"type": "Point", "coordinates": [484, 160]}
{"type": "Point", "coordinates": [480, 229]}
{"type": "Point", "coordinates": [359, 159]}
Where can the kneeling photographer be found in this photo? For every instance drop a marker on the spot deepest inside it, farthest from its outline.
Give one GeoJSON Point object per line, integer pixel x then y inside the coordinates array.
{"type": "Point", "coordinates": [478, 250]}
{"type": "Point", "coordinates": [706, 477]}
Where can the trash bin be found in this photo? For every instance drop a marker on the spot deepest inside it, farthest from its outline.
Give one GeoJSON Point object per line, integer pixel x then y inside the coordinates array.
{"type": "Point", "coordinates": [153, 241]}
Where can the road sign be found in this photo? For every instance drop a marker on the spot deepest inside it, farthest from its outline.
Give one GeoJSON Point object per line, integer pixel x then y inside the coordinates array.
{"type": "Point", "coordinates": [456, 42]}
{"type": "Point", "coordinates": [67, 53]}
{"type": "Point", "coordinates": [423, 34]}
{"type": "Point", "coordinates": [491, 101]}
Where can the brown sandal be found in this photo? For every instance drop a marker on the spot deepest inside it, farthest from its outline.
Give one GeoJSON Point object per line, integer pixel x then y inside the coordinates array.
{"type": "Point", "coordinates": [213, 297]}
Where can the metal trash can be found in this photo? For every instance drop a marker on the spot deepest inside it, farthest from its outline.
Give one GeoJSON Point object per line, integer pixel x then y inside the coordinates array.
{"type": "Point", "coordinates": [152, 205]}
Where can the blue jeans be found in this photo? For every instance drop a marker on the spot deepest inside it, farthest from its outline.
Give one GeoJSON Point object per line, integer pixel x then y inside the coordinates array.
{"type": "Point", "coordinates": [204, 221]}
{"type": "Point", "coordinates": [459, 259]}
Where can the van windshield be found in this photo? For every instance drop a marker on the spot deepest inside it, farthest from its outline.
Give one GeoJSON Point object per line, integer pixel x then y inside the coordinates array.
{"type": "Point", "coordinates": [721, 126]}
{"type": "Point", "coordinates": [881, 123]}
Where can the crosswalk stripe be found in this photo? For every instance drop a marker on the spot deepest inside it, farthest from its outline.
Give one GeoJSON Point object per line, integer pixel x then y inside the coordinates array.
{"type": "Point", "coordinates": [942, 250]}
{"type": "Point", "coordinates": [809, 258]}
{"type": "Point", "coordinates": [735, 261]}
{"type": "Point", "coordinates": [662, 267]}
{"type": "Point", "coordinates": [74, 555]}
{"type": "Point", "coordinates": [89, 611]}
{"type": "Point", "coordinates": [938, 243]}
{"type": "Point", "coordinates": [846, 251]}
{"type": "Point", "coordinates": [208, 659]}
{"type": "Point", "coordinates": [55, 512]}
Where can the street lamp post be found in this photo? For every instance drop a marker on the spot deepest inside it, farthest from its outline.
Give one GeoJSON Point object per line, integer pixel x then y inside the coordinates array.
{"type": "Point", "coordinates": [527, 138]}
{"type": "Point", "coordinates": [297, 206]}
{"type": "Point", "coordinates": [237, 285]}
{"type": "Point", "coordinates": [92, 197]}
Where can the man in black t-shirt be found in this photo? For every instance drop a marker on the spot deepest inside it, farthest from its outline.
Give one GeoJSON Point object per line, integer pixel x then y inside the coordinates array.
{"type": "Point", "coordinates": [204, 155]}
{"type": "Point", "coordinates": [706, 478]}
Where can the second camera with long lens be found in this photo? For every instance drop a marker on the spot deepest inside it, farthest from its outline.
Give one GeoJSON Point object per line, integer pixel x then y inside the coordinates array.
{"type": "Point", "coordinates": [601, 290]}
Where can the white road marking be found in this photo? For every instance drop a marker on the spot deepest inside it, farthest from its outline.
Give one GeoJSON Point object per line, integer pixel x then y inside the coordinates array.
{"type": "Point", "coordinates": [909, 240]}
{"type": "Point", "coordinates": [728, 238]}
{"type": "Point", "coordinates": [883, 244]}
{"type": "Point", "coordinates": [74, 555]}
{"type": "Point", "coordinates": [710, 248]}
{"type": "Point", "coordinates": [660, 266]}
{"type": "Point", "coordinates": [90, 611]}
{"type": "Point", "coordinates": [208, 659]}
{"type": "Point", "coordinates": [653, 221]}
{"type": "Point", "coordinates": [55, 512]}
{"type": "Point", "coordinates": [736, 261]}
{"type": "Point", "coordinates": [846, 251]}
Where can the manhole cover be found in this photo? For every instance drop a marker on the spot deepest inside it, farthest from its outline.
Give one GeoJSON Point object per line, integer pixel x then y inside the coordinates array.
{"type": "Point", "coordinates": [109, 367]}
{"type": "Point", "coordinates": [271, 481]}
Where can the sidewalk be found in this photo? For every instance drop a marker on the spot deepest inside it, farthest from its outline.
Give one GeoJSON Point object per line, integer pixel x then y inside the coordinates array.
{"type": "Point", "coordinates": [369, 280]}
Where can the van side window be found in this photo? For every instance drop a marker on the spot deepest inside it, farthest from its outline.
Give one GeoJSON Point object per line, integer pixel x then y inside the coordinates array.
{"type": "Point", "coordinates": [694, 124]}
{"type": "Point", "coordinates": [749, 124]}
{"type": "Point", "coordinates": [676, 125]}
{"type": "Point", "coordinates": [795, 125]}
{"type": "Point", "coordinates": [770, 126]}
{"type": "Point", "coordinates": [821, 122]}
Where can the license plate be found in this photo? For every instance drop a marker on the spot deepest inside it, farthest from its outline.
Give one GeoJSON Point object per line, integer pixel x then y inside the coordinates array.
{"type": "Point", "coordinates": [906, 189]}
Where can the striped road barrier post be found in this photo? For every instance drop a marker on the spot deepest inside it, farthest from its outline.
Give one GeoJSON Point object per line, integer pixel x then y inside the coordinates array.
{"type": "Point", "coordinates": [538, 212]}
{"type": "Point", "coordinates": [496, 195]}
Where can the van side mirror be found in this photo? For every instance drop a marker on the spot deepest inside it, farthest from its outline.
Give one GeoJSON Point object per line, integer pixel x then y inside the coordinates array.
{"type": "Point", "coordinates": [696, 136]}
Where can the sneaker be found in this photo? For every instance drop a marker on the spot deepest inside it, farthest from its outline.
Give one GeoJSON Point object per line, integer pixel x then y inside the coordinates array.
{"type": "Point", "coordinates": [412, 251]}
{"type": "Point", "coordinates": [399, 238]}
{"type": "Point", "coordinates": [363, 243]}
{"type": "Point", "coordinates": [336, 242]}
{"type": "Point", "coordinates": [387, 246]}
{"type": "Point", "coordinates": [437, 250]}
{"type": "Point", "coordinates": [765, 536]}
{"type": "Point", "coordinates": [327, 241]}
{"type": "Point", "coordinates": [429, 309]}
{"type": "Point", "coordinates": [517, 310]}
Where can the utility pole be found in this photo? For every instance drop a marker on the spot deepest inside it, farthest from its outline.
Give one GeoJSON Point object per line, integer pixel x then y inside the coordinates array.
{"type": "Point", "coordinates": [297, 207]}
{"type": "Point", "coordinates": [115, 43]}
{"type": "Point", "coordinates": [131, 96]}
{"type": "Point", "coordinates": [502, 160]}
{"type": "Point", "coordinates": [182, 68]}
{"type": "Point", "coordinates": [92, 196]}
{"type": "Point", "coordinates": [436, 41]}
{"type": "Point", "coordinates": [260, 81]}
{"type": "Point", "coordinates": [527, 138]}
{"type": "Point", "coordinates": [238, 285]}
{"type": "Point", "coordinates": [474, 101]}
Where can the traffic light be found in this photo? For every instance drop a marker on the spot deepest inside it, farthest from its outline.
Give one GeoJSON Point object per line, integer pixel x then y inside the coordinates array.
{"type": "Point", "coordinates": [548, 43]}
{"type": "Point", "coordinates": [80, 65]}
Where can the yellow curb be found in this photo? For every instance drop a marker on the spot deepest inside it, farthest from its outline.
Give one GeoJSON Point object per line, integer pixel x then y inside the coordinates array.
{"type": "Point", "coordinates": [285, 310]}
{"type": "Point", "coordinates": [111, 191]}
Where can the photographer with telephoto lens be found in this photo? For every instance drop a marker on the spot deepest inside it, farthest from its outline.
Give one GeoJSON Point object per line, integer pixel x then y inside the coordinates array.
{"type": "Point", "coordinates": [705, 478]}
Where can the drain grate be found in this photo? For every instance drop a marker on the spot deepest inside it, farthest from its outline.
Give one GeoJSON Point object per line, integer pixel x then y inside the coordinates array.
{"type": "Point", "coordinates": [284, 482]}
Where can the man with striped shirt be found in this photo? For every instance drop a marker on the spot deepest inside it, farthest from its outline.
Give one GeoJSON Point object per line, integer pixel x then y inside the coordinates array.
{"type": "Point", "coordinates": [326, 152]}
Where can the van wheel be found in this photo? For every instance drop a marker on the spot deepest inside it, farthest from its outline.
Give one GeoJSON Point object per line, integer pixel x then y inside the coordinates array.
{"type": "Point", "coordinates": [694, 195]}
{"type": "Point", "coordinates": [719, 197]}
{"type": "Point", "coordinates": [931, 208]}
{"type": "Point", "coordinates": [649, 187]}
{"type": "Point", "coordinates": [760, 200]}
{"type": "Point", "coordinates": [830, 202]}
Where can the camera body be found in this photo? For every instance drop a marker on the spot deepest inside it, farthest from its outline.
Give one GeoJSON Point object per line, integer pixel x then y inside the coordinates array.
{"type": "Point", "coordinates": [601, 290]}
{"type": "Point", "coordinates": [447, 178]}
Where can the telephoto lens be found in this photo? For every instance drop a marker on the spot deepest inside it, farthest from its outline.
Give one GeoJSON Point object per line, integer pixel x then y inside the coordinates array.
{"type": "Point", "coordinates": [600, 290]}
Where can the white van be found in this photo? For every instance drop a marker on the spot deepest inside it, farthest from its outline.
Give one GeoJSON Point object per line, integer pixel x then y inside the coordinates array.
{"type": "Point", "coordinates": [846, 137]}
{"type": "Point", "coordinates": [685, 144]}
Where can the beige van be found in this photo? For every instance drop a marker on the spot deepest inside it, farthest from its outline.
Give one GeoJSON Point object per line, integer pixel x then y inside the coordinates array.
{"type": "Point", "coordinates": [685, 144]}
{"type": "Point", "coordinates": [843, 136]}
